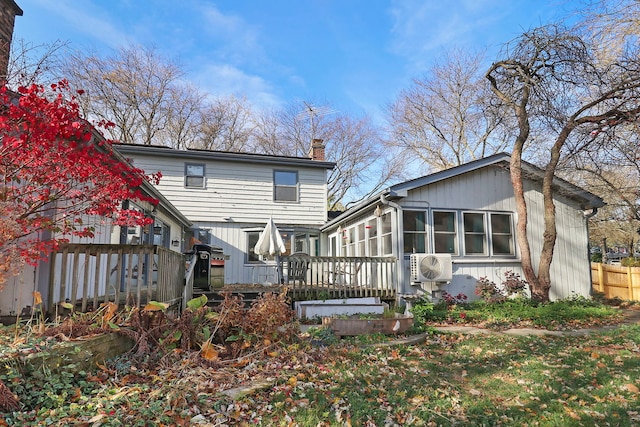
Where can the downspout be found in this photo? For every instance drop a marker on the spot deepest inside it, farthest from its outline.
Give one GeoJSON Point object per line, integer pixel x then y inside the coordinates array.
{"type": "Point", "coordinates": [400, 244]}
{"type": "Point", "coordinates": [587, 216]}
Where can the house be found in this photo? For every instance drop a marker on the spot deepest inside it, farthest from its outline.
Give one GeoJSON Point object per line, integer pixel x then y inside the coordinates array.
{"type": "Point", "coordinates": [229, 197]}
{"type": "Point", "coordinates": [463, 219]}
{"type": "Point", "coordinates": [55, 277]}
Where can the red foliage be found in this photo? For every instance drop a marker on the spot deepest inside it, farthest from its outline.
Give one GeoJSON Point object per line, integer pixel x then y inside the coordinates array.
{"type": "Point", "coordinates": [58, 172]}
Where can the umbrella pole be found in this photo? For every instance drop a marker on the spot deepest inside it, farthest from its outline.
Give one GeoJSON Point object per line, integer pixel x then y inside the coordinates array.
{"type": "Point", "coordinates": [278, 269]}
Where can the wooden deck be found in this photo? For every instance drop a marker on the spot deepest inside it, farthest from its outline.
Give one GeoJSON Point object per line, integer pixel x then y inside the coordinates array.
{"type": "Point", "coordinates": [321, 277]}
{"type": "Point", "coordinates": [305, 278]}
{"type": "Point", "coordinates": [87, 275]}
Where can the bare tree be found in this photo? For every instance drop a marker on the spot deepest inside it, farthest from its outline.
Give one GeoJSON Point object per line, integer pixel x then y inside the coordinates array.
{"type": "Point", "coordinates": [132, 88]}
{"type": "Point", "coordinates": [184, 117]}
{"type": "Point", "coordinates": [552, 76]}
{"type": "Point", "coordinates": [353, 143]}
{"type": "Point", "coordinates": [448, 117]}
{"type": "Point", "coordinates": [31, 63]}
{"type": "Point", "coordinates": [614, 25]}
{"type": "Point", "coordinates": [225, 124]}
{"type": "Point", "coordinates": [611, 169]}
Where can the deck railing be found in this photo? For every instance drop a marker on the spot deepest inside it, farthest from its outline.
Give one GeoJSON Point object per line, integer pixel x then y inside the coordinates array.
{"type": "Point", "coordinates": [87, 275]}
{"type": "Point", "coordinates": [339, 277]}
{"type": "Point", "coordinates": [189, 277]}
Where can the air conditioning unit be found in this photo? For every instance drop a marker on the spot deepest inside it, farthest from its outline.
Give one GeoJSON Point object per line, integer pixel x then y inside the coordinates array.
{"type": "Point", "coordinates": [431, 268]}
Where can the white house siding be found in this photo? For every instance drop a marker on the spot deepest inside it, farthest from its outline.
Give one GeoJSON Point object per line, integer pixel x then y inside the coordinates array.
{"type": "Point", "coordinates": [490, 189]}
{"type": "Point", "coordinates": [239, 191]}
{"type": "Point", "coordinates": [238, 197]}
{"type": "Point", "coordinates": [17, 294]}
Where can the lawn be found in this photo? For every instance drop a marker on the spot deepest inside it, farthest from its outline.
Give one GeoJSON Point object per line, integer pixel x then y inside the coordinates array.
{"type": "Point", "coordinates": [447, 380]}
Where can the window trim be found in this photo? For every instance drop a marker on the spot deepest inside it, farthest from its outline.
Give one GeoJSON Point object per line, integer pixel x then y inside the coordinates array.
{"type": "Point", "coordinates": [187, 175]}
{"type": "Point", "coordinates": [485, 235]}
{"type": "Point", "coordinates": [388, 235]}
{"type": "Point", "coordinates": [424, 233]}
{"type": "Point", "coordinates": [460, 233]}
{"type": "Point", "coordinates": [296, 187]}
{"type": "Point", "coordinates": [512, 244]}
{"type": "Point", "coordinates": [456, 228]}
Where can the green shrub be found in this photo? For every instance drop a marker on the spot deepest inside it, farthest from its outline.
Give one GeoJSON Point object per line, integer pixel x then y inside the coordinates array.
{"type": "Point", "coordinates": [630, 262]}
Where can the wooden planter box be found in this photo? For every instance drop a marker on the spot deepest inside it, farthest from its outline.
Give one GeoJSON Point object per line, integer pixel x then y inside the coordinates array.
{"type": "Point", "coordinates": [356, 326]}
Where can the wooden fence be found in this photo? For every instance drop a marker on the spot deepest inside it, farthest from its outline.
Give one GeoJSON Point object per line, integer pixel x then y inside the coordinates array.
{"type": "Point", "coordinates": [339, 277]}
{"type": "Point", "coordinates": [87, 275]}
{"type": "Point", "coordinates": [616, 281]}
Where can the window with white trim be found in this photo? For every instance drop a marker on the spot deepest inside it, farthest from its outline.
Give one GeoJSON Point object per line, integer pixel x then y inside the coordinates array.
{"type": "Point", "coordinates": [482, 234]}
{"type": "Point", "coordinates": [415, 231]}
{"type": "Point", "coordinates": [475, 235]}
{"type": "Point", "coordinates": [194, 175]}
{"type": "Point", "coordinates": [360, 251]}
{"type": "Point", "coordinates": [445, 235]}
{"type": "Point", "coordinates": [285, 186]}
{"type": "Point", "coordinates": [386, 235]}
{"type": "Point", "coordinates": [501, 235]}
{"type": "Point", "coordinates": [372, 227]}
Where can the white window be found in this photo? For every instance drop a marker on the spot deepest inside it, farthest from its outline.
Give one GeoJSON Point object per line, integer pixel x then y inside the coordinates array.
{"type": "Point", "coordinates": [415, 231]}
{"type": "Point", "coordinates": [475, 233]}
{"type": "Point", "coordinates": [501, 235]}
{"type": "Point", "coordinates": [445, 232]}
{"type": "Point", "coordinates": [372, 227]}
{"type": "Point", "coordinates": [387, 235]}
{"type": "Point", "coordinates": [488, 234]}
{"type": "Point", "coordinates": [285, 186]}
{"type": "Point", "coordinates": [361, 251]}
{"type": "Point", "coordinates": [194, 175]}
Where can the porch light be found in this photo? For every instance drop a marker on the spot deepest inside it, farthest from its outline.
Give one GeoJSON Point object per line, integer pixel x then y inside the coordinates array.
{"type": "Point", "coordinates": [378, 211]}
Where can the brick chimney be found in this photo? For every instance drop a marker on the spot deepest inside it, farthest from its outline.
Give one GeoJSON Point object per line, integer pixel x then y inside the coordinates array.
{"type": "Point", "coordinates": [317, 150]}
{"type": "Point", "coordinates": [8, 12]}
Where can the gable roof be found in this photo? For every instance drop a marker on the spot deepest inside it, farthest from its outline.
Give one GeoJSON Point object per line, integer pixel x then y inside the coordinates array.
{"type": "Point", "coordinates": [584, 198]}
{"type": "Point", "coordinates": [226, 156]}
{"type": "Point", "coordinates": [146, 186]}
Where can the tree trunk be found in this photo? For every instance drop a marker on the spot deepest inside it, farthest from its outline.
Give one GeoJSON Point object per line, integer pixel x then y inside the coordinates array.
{"type": "Point", "coordinates": [540, 291]}
{"type": "Point", "coordinates": [521, 225]}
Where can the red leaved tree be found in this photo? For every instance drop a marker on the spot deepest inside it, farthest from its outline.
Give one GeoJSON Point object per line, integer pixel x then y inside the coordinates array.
{"type": "Point", "coordinates": [56, 172]}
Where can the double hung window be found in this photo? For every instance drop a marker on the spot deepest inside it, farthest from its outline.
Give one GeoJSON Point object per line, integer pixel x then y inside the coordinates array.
{"type": "Point", "coordinates": [285, 186]}
{"type": "Point", "coordinates": [194, 175]}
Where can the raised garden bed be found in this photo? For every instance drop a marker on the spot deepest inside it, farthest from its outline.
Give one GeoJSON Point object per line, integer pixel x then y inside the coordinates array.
{"type": "Point", "coordinates": [361, 325]}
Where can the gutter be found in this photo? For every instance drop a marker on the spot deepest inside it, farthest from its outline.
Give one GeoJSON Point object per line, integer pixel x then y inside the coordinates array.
{"type": "Point", "coordinates": [400, 243]}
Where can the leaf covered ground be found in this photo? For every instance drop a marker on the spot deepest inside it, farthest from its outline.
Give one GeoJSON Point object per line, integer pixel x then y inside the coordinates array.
{"type": "Point", "coordinates": [449, 379]}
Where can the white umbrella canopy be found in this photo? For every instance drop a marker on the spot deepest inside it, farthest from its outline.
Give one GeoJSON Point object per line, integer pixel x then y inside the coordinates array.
{"type": "Point", "coordinates": [270, 243]}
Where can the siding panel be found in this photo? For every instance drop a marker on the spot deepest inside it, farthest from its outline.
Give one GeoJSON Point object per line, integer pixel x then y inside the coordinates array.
{"type": "Point", "coordinates": [490, 189]}
{"type": "Point", "coordinates": [239, 191]}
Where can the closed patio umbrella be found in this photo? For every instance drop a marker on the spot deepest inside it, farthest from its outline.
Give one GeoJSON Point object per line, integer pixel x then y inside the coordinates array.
{"type": "Point", "coordinates": [270, 243]}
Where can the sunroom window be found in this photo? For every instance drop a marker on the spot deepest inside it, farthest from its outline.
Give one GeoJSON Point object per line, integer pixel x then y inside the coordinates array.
{"type": "Point", "coordinates": [445, 232]}
{"type": "Point", "coordinates": [415, 231]}
{"type": "Point", "coordinates": [475, 236]}
{"type": "Point", "coordinates": [501, 234]}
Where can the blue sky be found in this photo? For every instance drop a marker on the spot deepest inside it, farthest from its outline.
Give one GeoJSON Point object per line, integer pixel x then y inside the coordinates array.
{"type": "Point", "coordinates": [354, 54]}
